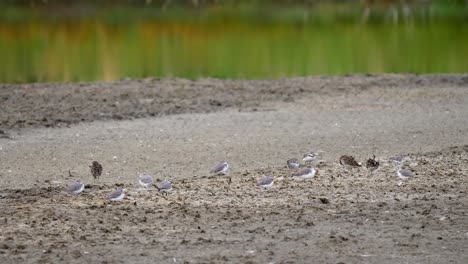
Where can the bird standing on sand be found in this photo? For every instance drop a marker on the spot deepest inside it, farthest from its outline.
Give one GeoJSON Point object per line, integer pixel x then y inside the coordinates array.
{"type": "Point", "coordinates": [310, 157]}
{"type": "Point", "coordinates": [399, 160]}
{"type": "Point", "coordinates": [372, 164]}
{"type": "Point", "coordinates": [349, 162]}
{"type": "Point", "coordinates": [405, 174]}
{"type": "Point", "coordinates": [117, 195]}
{"type": "Point", "coordinates": [145, 180]}
{"type": "Point", "coordinates": [221, 168]}
{"type": "Point", "coordinates": [76, 187]}
{"type": "Point", "coordinates": [96, 170]}
{"type": "Point", "coordinates": [305, 173]}
{"type": "Point", "coordinates": [265, 182]}
{"type": "Point", "coordinates": [292, 163]}
{"type": "Point", "coordinates": [165, 187]}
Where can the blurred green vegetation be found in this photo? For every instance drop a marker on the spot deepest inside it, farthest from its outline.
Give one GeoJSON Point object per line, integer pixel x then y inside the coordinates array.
{"type": "Point", "coordinates": [228, 39]}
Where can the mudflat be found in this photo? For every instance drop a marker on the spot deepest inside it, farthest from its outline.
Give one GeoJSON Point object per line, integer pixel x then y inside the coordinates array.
{"type": "Point", "coordinates": [179, 129]}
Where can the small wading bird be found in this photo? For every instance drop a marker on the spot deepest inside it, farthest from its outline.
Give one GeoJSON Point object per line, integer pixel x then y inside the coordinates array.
{"type": "Point", "coordinates": [399, 160]}
{"type": "Point", "coordinates": [404, 174]}
{"type": "Point", "coordinates": [145, 180]}
{"type": "Point", "coordinates": [305, 173]}
{"type": "Point", "coordinates": [221, 168]}
{"type": "Point", "coordinates": [292, 163]}
{"type": "Point", "coordinates": [372, 164]}
{"type": "Point", "coordinates": [76, 187]}
{"type": "Point", "coordinates": [265, 182]}
{"type": "Point", "coordinates": [117, 195]}
{"type": "Point", "coordinates": [310, 157]}
{"type": "Point", "coordinates": [349, 162]}
{"type": "Point", "coordinates": [165, 187]}
{"type": "Point", "coordinates": [96, 170]}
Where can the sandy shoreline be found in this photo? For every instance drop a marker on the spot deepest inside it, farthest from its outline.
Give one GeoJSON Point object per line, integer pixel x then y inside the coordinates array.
{"type": "Point", "coordinates": [182, 128]}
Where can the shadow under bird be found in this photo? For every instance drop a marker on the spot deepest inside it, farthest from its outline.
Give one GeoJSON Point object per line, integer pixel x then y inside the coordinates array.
{"type": "Point", "coordinates": [349, 162]}
{"type": "Point", "coordinates": [165, 187]}
{"type": "Point", "coordinates": [96, 170]}
{"type": "Point", "coordinates": [145, 180]}
{"type": "Point", "coordinates": [117, 195]}
{"type": "Point", "coordinates": [76, 187]}
{"type": "Point", "coordinates": [305, 173]}
{"type": "Point", "coordinates": [221, 168]}
{"type": "Point", "coordinates": [266, 182]}
{"type": "Point", "coordinates": [372, 164]}
{"type": "Point", "coordinates": [292, 163]}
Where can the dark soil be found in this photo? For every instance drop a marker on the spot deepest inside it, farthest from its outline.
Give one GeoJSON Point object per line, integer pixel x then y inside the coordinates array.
{"type": "Point", "coordinates": [337, 217]}
{"type": "Point", "coordinates": [62, 104]}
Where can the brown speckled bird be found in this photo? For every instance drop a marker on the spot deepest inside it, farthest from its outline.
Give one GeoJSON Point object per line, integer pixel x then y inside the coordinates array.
{"type": "Point", "coordinates": [96, 170]}
{"type": "Point", "coordinates": [372, 164]}
{"type": "Point", "coordinates": [349, 162]}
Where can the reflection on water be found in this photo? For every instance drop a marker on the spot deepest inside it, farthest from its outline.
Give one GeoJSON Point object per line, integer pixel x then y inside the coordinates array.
{"type": "Point", "coordinates": [210, 43]}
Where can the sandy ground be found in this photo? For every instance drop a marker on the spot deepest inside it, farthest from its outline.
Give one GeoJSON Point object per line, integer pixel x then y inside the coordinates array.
{"type": "Point", "coordinates": [337, 217]}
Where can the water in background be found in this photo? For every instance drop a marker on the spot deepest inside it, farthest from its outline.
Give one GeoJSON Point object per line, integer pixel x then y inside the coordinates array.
{"type": "Point", "coordinates": [87, 43]}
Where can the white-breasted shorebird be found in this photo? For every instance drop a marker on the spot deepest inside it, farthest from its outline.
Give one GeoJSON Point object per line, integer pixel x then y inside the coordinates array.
{"type": "Point", "coordinates": [292, 163]}
{"type": "Point", "coordinates": [76, 187]}
{"type": "Point", "coordinates": [221, 168]}
{"type": "Point", "coordinates": [117, 195]}
{"type": "Point", "coordinates": [165, 187]}
{"type": "Point", "coordinates": [305, 173]}
{"type": "Point", "coordinates": [266, 182]}
{"type": "Point", "coordinates": [145, 180]}
{"type": "Point", "coordinates": [310, 157]}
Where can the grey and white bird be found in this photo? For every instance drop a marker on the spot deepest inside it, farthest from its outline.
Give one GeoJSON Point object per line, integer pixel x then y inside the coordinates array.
{"type": "Point", "coordinates": [292, 163]}
{"type": "Point", "coordinates": [117, 195]}
{"type": "Point", "coordinates": [266, 182]}
{"type": "Point", "coordinates": [221, 168]}
{"type": "Point", "coordinates": [165, 187]}
{"type": "Point", "coordinates": [399, 159]}
{"type": "Point", "coordinates": [305, 173]}
{"type": "Point", "coordinates": [405, 174]}
{"type": "Point", "coordinates": [349, 162]}
{"type": "Point", "coordinates": [145, 180]}
{"type": "Point", "coordinates": [310, 157]}
{"type": "Point", "coordinates": [76, 187]}
{"type": "Point", "coordinates": [372, 164]}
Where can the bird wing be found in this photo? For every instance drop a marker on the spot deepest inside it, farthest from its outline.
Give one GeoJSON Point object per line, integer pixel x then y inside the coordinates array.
{"type": "Point", "coordinates": [165, 185]}
{"type": "Point", "coordinates": [218, 168]}
{"type": "Point", "coordinates": [116, 193]}
{"type": "Point", "coordinates": [265, 180]}
{"type": "Point", "coordinates": [146, 178]}
{"type": "Point", "coordinates": [406, 173]}
{"type": "Point", "coordinates": [303, 172]}
{"type": "Point", "coordinates": [75, 186]}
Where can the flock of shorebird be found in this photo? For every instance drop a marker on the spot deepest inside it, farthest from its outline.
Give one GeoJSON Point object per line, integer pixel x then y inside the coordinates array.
{"type": "Point", "coordinates": [348, 162]}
